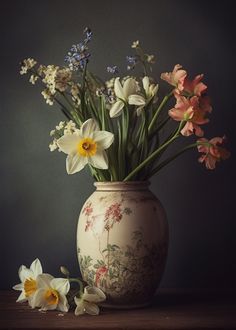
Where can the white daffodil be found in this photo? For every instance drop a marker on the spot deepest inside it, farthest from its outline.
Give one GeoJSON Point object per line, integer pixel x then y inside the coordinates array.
{"type": "Point", "coordinates": [86, 145]}
{"type": "Point", "coordinates": [51, 293]}
{"type": "Point", "coordinates": [126, 94]}
{"type": "Point", "coordinates": [28, 277]}
{"type": "Point", "coordinates": [150, 92]}
{"type": "Point", "coordinates": [88, 302]}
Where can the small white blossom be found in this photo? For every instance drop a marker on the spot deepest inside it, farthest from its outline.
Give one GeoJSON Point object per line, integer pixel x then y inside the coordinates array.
{"type": "Point", "coordinates": [28, 64]}
{"type": "Point", "coordinates": [135, 44]}
{"type": "Point", "coordinates": [151, 59]}
{"type": "Point", "coordinates": [47, 96]}
{"type": "Point", "coordinates": [33, 79]}
{"type": "Point", "coordinates": [52, 132]}
{"type": "Point", "coordinates": [60, 125]}
{"type": "Point", "coordinates": [53, 146]}
{"type": "Point", "coordinates": [88, 302]}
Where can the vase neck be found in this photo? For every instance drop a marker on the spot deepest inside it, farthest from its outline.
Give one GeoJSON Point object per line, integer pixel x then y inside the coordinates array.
{"type": "Point", "coordinates": [122, 186]}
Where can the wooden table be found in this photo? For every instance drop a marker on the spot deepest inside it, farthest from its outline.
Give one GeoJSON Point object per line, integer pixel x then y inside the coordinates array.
{"type": "Point", "coordinates": [172, 310]}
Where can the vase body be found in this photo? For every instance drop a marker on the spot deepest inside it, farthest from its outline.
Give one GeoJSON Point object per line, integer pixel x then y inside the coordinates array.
{"type": "Point", "coordinates": [122, 242]}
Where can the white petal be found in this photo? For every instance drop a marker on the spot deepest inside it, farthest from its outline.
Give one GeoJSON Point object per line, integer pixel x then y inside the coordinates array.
{"type": "Point", "coordinates": [63, 305]}
{"type": "Point", "coordinates": [18, 287]}
{"type": "Point", "coordinates": [93, 294]}
{"type": "Point", "coordinates": [88, 127]}
{"type": "Point", "coordinates": [68, 143]}
{"type": "Point", "coordinates": [146, 85]}
{"type": "Point", "coordinates": [91, 308]}
{"type": "Point", "coordinates": [130, 87]}
{"type": "Point", "coordinates": [22, 297]}
{"type": "Point", "coordinates": [116, 108]}
{"type": "Point", "coordinates": [25, 273]}
{"type": "Point", "coordinates": [36, 267]}
{"type": "Point", "coordinates": [99, 160]}
{"type": "Point", "coordinates": [103, 138]}
{"type": "Point", "coordinates": [79, 310]}
{"type": "Point", "coordinates": [136, 100]}
{"type": "Point", "coordinates": [38, 298]}
{"type": "Point", "coordinates": [43, 281]}
{"type": "Point", "coordinates": [75, 163]}
{"type": "Point", "coordinates": [62, 285]}
{"type": "Point", "coordinates": [118, 89]}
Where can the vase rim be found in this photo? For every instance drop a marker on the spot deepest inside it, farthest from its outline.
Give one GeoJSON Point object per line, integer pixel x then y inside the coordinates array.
{"type": "Point", "coordinates": [121, 185]}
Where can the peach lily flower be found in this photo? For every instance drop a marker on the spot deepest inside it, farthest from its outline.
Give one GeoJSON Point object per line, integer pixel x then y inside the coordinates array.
{"type": "Point", "coordinates": [176, 77]}
{"type": "Point", "coordinates": [195, 87]}
{"type": "Point", "coordinates": [189, 110]}
{"type": "Point", "coordinates": [212, 151]}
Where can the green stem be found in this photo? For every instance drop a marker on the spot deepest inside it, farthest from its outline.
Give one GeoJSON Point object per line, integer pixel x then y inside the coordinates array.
{"type": "Point", "coordinates": [164, 101]}
{"type": "Point", "coordinates": [154, 154]}
{"type": "Point", "coordinates": [170, 159]}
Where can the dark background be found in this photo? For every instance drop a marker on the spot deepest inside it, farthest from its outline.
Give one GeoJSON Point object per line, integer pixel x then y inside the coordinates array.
{"type": "Point", "coordinates": [40, 203]}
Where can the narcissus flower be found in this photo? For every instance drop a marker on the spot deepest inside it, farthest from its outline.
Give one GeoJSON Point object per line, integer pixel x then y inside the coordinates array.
{"type": "Point", "coordinates": [28, 285]}
{"type": "Point", "coordinates": [176, 77]}
{"type": "Point", "coordinates": [51, 293]}
{"type": "Point", "coordinates": [88, 302]}
{"type": "Point", "coordinates": [189, 110]}
{"type": "Point", "coordinates": [86, 146]}
{"type": "Point", "coordinates": [213, 151]}
{"type": "Point", "coordinates": [125, 94]}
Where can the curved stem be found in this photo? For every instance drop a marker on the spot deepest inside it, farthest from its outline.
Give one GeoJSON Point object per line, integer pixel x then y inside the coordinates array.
{"type": "Point", "coordinates": [164, 101]}
{"type": "Point", "coordinates": [154, 154]}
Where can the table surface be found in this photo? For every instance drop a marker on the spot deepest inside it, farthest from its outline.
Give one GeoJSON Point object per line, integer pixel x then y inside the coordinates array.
{"type": "Point", "coordinates": [172, 310]}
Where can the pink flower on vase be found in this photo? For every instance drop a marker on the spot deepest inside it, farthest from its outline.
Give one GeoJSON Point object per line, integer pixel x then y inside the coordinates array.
{"type": "Point", "coordinates": [189, 110]}
{"type": "Point", "coordinates": [195, 86]}
{"type": "Point", "coordinates": [100, 273]}
{"type": "Point", "coordinates": [176, 77]}
{"type": "Point", "coordinates": [113, 214]}
{"type": "Point", "coordinates": [88, 209]}
{"type": "Point", "coordinates": [213, 151]}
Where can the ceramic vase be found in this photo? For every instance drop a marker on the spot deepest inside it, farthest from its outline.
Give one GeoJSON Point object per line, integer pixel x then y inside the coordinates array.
{"type": "Point", "coordinates": [122, 242]}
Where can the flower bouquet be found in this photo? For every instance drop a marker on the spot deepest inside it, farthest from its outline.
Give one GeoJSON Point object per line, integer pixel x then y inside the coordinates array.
{"type": "Point", "coordinates": [119, 127]}
{"type": "Point", "coordinates": [121, 130]}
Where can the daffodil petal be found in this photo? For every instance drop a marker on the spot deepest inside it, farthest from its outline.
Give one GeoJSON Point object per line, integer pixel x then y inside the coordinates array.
{"type": "Point", "coordinates": [118, 89]}
{"type": "Point", "coordinates": [43, 281]}
{"type": "Point", "coordinates": [88, 127]}
{"type": "Point", "coordinates": [75, 163]}
{"type": "Point", "coordinates": [139, 110]}
{"type": "Point", "coordinates": [62, 285]}
{"type": "Point", "coordinates": [38, 298]}
{"type": "Point", "coordinates": [25, 273]}
{"type": "Point", "coordinates": [63, 305]}
{"type": "Point", "coordinates": [18, 287]}
{"type": "Point", "coordinates": [130, 87]}
{"type": "Point", "coordinates": [36, 267]}
{"type": "Point", "coordinates": [91, 308]}
{"type": "Point", "coordinates": [103, 138]}
{"type": "Point", "coordinates": [94, 291]}
{"type": "Point", "coordinates": [146, 84]}
{"type": "Point", "coordinates": [136, 100]}
{"type": "Point", "coordinates": [99, 160]}
{"type": "Point", "coordinates": [68, 143]}
{"type": "Point", "coordinates": [79, 310]}
{"type": "Point", "coordinates": [116, 108]}
{"type": "Point", "coordinates": [21, 298]}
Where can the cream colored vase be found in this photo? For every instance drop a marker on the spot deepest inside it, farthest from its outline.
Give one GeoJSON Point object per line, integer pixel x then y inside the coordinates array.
{"type": "Point", "coordinates": [122, 242]}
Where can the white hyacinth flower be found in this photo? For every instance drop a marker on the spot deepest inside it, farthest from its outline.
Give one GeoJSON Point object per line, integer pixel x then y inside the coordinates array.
{"type": "Point", "coordinates": [28, 285]}
{"type": "Point", "coordinates": [88, 302]}
{"type": "Point", "coordinates": [86, 146]}
{"type": "Point", "coordinates": [125, 94]}
{"type": "Point", "coordinates": [51, 293]}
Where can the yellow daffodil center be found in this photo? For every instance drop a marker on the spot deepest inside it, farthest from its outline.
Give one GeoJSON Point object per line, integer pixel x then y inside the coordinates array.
{"type": "Point", "coordinates": [29, 287]}
{"type": "Point", "coordinates": [52, 297]}
{"type": "Point", "coordinates": [87, 147]}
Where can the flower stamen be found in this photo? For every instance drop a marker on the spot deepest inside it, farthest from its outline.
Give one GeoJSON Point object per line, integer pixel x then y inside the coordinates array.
{"type": "Point", "coordinates": [87, 147]}
{"type": "Point", "coordinates": [30, 287]}
{"type": "Point", "coordinates": [52, 297]}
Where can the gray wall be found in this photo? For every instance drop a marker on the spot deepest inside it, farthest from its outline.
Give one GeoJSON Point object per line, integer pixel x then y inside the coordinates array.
{"type": "Point", "coordinates": [40, 203]}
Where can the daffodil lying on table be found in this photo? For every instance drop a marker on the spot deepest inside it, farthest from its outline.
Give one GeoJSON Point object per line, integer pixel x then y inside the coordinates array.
{"type": "Point", "coordinates": [119, 127]}
{"type": "Point", "coordinates": [48, 293]}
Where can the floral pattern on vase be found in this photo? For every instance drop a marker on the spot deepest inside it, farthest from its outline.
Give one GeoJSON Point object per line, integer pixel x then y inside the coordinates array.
{"type": "Point", "coordinates": [122, 244]}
